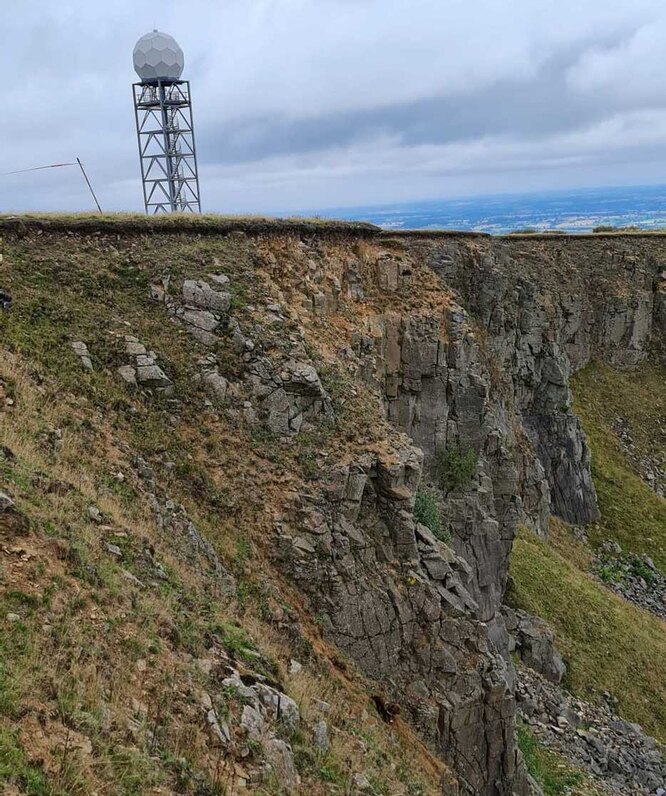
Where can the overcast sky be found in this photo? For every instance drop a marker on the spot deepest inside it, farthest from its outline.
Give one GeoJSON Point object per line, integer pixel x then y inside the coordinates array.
{"type": "Point", "coordinates": [307, 104]}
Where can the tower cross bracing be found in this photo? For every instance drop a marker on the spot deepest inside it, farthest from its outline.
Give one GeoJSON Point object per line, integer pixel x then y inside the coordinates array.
{"type": "Point", "coordinates": [167, 149]}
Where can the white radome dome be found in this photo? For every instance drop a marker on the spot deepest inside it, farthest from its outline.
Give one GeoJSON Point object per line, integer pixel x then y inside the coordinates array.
{"type": "Point", "coordinates": [157, 56]}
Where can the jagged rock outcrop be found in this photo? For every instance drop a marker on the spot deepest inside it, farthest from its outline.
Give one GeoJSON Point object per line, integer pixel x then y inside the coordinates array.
{"type": "Point", "coordinates": [144, 369]}
{"type": "Point", "coordinates": [561, 449]}
{"type": "Point", "coordinates": [438, 391]}
{"type": "Point", "coordinates": [532, 640]}
{"type": "Point", "coordinates": [396, 600]}
{"type": "Point", "coordinates": [549, 306]}
{"type": "Point", "coordinates": [282, 391]}
{"type": "Point", "coordinates": [202, 309]}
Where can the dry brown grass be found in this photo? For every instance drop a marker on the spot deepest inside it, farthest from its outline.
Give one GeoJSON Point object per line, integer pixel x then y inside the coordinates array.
{"type": "Point", "coordinates": [91, 657]}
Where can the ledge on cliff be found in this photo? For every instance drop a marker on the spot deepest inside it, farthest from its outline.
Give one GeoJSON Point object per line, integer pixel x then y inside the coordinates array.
{"type": "Point", "coordinates": [130, 223]}
{"type": "Point", "coordinates": [216, 224]}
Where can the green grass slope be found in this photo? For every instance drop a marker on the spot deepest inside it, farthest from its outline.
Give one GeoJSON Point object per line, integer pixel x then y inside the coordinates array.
{"type": "Point", "coordinates": [631, 513]}
{"type": "Point", "coordinates": [609, 644]}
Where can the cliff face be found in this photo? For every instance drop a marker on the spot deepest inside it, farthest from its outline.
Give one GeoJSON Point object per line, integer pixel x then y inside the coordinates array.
{"type": "Point", "coordinates": [542, 309]}
{"type": "Point", "coordinates": [492, 379]}
{"type": "Point", "coordinates": [549, 307]}
{"type": "Point", "coordinates": [392, 367]}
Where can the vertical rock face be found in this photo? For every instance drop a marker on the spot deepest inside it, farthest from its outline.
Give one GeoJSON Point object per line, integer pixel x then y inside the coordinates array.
{"type": "Point", "coordinates": [438, 391]}
{"type": "Point", "coordinates": [560, 446]}
{"type": "Point", "coordinates": [548, 308]}
{"type": "Point", "coordinates": [480, 367]}
{"type": "Point", "coordinates": [397, 601]}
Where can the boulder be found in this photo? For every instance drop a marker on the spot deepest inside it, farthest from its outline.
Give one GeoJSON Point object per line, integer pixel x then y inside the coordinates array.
{"type": "Point", "coordinates": [200, 294]}
{"type": "Point", "coordinates": [6, 503]}
{"type": "Point", "coordinates": [534, 644]}
{"type": "Point", "coordinates": [281, 759]}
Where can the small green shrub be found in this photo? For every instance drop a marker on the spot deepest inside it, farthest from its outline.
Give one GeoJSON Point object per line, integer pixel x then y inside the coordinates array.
{"type": "Point", "coordinates": [611, 572]}
{"type": "Point", "coordinates": [239, 295]}
{"type": "Point", "coordinates": [15, 769]}
{"type": "Point", "coordinates": [640, 569]}
{"type": "Point", "coordinates": [331, 772]}
{"type": "Point", "coordinates": [456, 466]}
{"type": "Point", "coordinates": [426, 512]}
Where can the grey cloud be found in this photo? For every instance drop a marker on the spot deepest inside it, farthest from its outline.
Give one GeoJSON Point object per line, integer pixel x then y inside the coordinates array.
{"type": "Point", "coordinates": [314, 103]}
{"type": "Point", "coordinates": [544, 104]}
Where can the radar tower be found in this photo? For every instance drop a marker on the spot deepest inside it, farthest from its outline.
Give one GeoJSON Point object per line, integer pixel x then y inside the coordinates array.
{"type": "Point", "coordinates": [165, 128]}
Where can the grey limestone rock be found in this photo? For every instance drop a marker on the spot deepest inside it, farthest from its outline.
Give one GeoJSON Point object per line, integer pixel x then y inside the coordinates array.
{"type": "Point", "coordinates": [6, 503]}
{"type": "Point", "coordinates": [202, 324]}
{"type": "Point", "coordinates": [321, 740]}
{"type": "Point", "coordinates": [281, 759]}
{"type": "Point", "coordinates": [560, 444]}
{"type": "Point", "coordinates": [221, 280]}
{"type": "Point", "coordinates": [214, 382]}
{"type": "Point", "coordinates": [144, 369]}
{"type": "Point", "coordinates": [279, 705]}
{"type": "Point", "coordinates": [533, 642]}
{"type": "Point", "coordinates": [128, 374]}
{"type": "Point", "coordinates": [153, 377]}
{"type": "Point", "coordinates": [199, 293]}
{"type": "Point", "coordinates": [252, 721]}
{"type": "Point", "coordinates": [81, 351]}
{"type": "Point", "coordinates": [219, 729]}
{"type": "Point", "coordinates": [288, 393]}
{"type": "Point", "coordinates": [202, 309]}
{"type": "Point", "coordinates": [113, 550]}
{"type": "Point", "coordinates": [396, 600]}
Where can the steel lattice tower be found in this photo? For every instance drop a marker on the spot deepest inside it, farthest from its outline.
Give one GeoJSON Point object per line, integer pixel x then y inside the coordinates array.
{"type": "Point", "coordinates": [165, 129]}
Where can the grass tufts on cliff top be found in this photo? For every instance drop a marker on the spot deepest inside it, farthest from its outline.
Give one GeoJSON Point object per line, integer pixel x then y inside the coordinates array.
{"type": "Point", "coordinates": [209, 223]}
